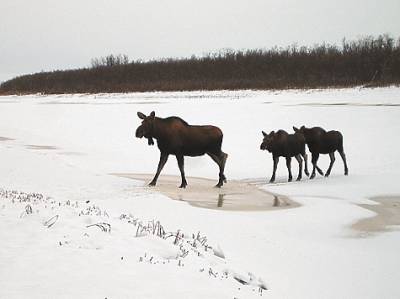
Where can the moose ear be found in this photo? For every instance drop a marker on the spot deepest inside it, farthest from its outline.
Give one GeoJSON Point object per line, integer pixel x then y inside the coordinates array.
{"type": "Point", "coordinates": [272, 133]}
{"type": "Point", "coordinates": [302, 127]}
{"type": "Point", "coordinates": [295, 129]}
{"type": "Point", "coordinates": [265, 134]}
{"type": "Point", "coordinates": [141, 115]}
{"type": "Point", "coordinates": [152, 114]}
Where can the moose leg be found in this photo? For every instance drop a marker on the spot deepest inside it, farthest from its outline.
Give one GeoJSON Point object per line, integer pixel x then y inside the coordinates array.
{"type": "Point", "coordinates": [305, 164]}
{"type": "Point", "coordinates": [300, 161]}
{"type": "Point", "coordinates": [163, 160]}
{"type": "Point", "coordinates": [222, 168]}
{"type": "Point", "coordinates": [220, 160]}
{"type": "Point", "coordinates": [289, 167]}
{"type": "Point", "coordinates": [276, 160]}
{"type": "Point", "coordinates": [319, 170]}
{"type": "Point", "coordinates": [180, 160]}
{"type": "Point", "coordinates": [314, 159]}
{"type": "Point", "coordinates": [346, 170]}
{"type": "Point", "coordinates": [332, 156]}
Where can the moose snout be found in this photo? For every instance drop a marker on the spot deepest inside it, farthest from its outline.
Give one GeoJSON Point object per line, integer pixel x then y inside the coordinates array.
{"type": "Point", "coordinates": [139, 133]}
{"type": "Point", "coordinates": [262, 146]}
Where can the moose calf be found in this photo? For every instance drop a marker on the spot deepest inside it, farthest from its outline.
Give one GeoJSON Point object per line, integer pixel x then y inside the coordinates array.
{"type": "Point", "coordinates": [320, 141]}
{"type": "Point", "coordinates": [282, 144]}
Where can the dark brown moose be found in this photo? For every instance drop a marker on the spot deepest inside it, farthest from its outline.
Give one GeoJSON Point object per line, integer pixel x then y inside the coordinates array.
{"type": "Point", "coordinates": [320, 141]}
{"type": "Point", "coordinates": [176, 137]}
{"type": "Point", "coordinates": [282, 144]}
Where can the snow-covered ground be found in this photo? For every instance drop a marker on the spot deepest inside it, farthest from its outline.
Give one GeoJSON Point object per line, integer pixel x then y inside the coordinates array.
{"type": "Point", "coordinates": [66, 148]}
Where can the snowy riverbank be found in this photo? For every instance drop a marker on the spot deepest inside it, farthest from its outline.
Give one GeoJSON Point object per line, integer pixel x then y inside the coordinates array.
{"type": "Point", "coordinates": [66, 148]}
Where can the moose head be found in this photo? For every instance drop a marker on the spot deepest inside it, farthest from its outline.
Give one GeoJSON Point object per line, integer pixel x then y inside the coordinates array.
{"type": "Point", "coordinates": [146, 128]}
{"type": "Point", "coordinates": [306, 132]}
{"type": "Point", "coordinates": [267, 141]}
{"type": "Point", "coordinates": [301, 130]}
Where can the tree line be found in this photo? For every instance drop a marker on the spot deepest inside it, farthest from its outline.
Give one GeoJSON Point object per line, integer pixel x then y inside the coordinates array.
{"type": "Point", "coordinates": [368, 61]}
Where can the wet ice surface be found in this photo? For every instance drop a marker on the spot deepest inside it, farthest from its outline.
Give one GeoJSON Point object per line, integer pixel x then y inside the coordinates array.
{"type": "Point", "coordinates": [387, 218]}
{"type": "Point", "coordinates": [235, 195]}
{"type": "Point", "coordinates": [40, 147]}
{"type": "Point", "coordinates": [5, 139]}
{"type": "Point", "coordinates": [348, 104]}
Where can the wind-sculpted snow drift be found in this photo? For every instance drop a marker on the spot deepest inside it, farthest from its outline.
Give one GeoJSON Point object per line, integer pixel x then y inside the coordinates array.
{"type": "Point", "coordinates": [83, 225]}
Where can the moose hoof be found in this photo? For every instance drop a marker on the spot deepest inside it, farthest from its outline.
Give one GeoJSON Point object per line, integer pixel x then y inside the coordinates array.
{"type": "Point", "coordinates": [183, 186]}
{"type": "Point", "coordinates": [307, 173]}
{"type": "Point", "coordinates": [312, 176]}
{"type": "Point", "coordinates": [152, 184]}
{"type": "Point", "coordinates": [327, 174]}
{"type": "Point", "coordinates": [289, 180]}
{"type": "Point", "coordinates": [298, 179]}
{"type": "Point", "coordinates": [271, 181]}
{"type": "Point", "coordinates": [346, 173]}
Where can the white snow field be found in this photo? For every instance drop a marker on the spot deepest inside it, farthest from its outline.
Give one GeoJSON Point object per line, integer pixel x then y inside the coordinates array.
{"type": "Point", "coordinates": [71, 229]}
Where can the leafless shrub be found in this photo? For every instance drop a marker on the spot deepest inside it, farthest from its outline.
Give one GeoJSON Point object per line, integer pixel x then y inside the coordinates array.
{"type": "Point", "coordinates": [105, 227]}
{"type": "Point", "coordinates": [49, 223]}
{"type": "Point", "coordinates": [110, 60]}
{"type": "Point", "coordinates": [19, 196]}
{"type": "Point", "coordinates": [28, 210]}
{"type": "Point", "coordinates": [92, 210]}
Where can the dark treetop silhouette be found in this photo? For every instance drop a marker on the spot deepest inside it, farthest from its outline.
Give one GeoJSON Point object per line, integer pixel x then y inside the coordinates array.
{"type": "Point", "coordinates": [320, 141]}
{"type": "Point", "coordinates": [176, 137]}
{"type": "Point", "coordinates": [282, 144]}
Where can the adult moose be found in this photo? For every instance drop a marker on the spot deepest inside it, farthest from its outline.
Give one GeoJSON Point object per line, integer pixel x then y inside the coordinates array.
{"type": "Point", "coordinates": [320, 141]}
{"type": "Point", "coordinates": [282, 144]}
{"type": "Point", "coordinates": [176, 137]}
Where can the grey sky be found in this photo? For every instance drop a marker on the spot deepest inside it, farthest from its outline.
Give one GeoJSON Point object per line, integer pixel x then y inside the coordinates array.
{"type": "Point", "coordinates": [46, 34]}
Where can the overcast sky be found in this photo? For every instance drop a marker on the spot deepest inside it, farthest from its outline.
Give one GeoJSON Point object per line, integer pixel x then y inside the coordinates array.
{"type": "Point", "coordinates": [38, 35]}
